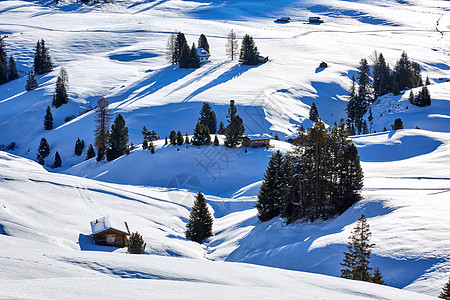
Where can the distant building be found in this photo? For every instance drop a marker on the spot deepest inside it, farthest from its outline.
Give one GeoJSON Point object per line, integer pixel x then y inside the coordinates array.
{"type": "Point", "coordinates": [283, 20]}
{"type": "Point", "coordinates": [256, 140]}
{"type": "Point", "coordinates": [108, 232]}
{"type": "Point", "coordinates": [315, 20]}
{"type": "Point", "coordinates": [263, 59]}
{"type": "Point", "coordinates": [204, 55]}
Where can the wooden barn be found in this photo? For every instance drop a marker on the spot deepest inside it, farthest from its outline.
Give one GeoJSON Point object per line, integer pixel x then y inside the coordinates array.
{"type": "Point", "coordinates": [316, 20]}
{"type": "Point", "coordinates": [283, 20]}
{"type": "Point", "coordinates": [107, 232]}
{"type": "Point", "coordinates": [256, 141]}
{"type": "Point", "coordinates": [203, 55]}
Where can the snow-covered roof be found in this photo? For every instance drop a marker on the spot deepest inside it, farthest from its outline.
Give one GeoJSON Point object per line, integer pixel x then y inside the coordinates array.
{"type": "Point", "coordinates": [261, 136]}
{"type": "Point", "coordinates": [314, 18]}
{"type": "Point", "coordinates": [285, 18]}
{"type": "Point", "coordinates": [202, 52]}
{"type": "Point", "coordinates": [104, 223]}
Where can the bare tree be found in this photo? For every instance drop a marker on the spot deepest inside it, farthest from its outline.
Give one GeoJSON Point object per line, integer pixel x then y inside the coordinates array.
{"type": "Point", "coordinates": [232, 47]}
{"type": "Point", "coordinates": [102, 118]}
{"type": "Point", "coordinates": [170, 48]}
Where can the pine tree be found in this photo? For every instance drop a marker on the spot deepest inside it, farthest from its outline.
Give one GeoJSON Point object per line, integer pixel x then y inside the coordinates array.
{"type": "Point", "coordinates": [179, 138]}
{"type": "Point", "coordinates": [197, 138]}
{"type": "Point", "coordinates": [427, 81]}
{"type": "Point", "coordinates": [398, 124]}
{"type": "Point", "coordinates": [173, 137]}
{"type": "Point", "coordinates": [170, 49]}
{"type": "Point", "coordinates": [403, 72]}
{"type": "Point", "coordinates": [102, 119]}
{"type": "Point", "coordinates": [42, 60]}
{"type": "Point", "coordinates": [12, 69]}
{"type": "Point", "coordinates": [145, 144]}
{"type": "Point", "coordinates": [3, 62]}
{"type": "Point", "coordinates": [90, 153]}
{"type": "Point", "coordinates": [206, 135]}
{"type": "Point", "coordinates": [180, 42]}
{"type": "Point", "coordinates": [412, 98]}
{"type": "Point", "coordinates": [208, 117]}
{"type": "Point", "coordinates": [415, 74]}
{"type": "Point", "coordinates": [235, 128]}
{"type": "Point", "coordinates": [216, 141]}
{"type": "Point", "coordinates": [221, 129]}
{"type": "Point", "coordinates": [231, 46]}
{"type": "Point", "coordinates": [79, 147]}
{"type": "Point", "coordinates": [270, 196]}
{"type": "Point", "coordinates": [445, 294]}
{"type": "Point", "coordinates": [377, 277]}
{"type": "Point", "coordinates": [203, 43]}
{"type": "Point", "coordinates": [356, 260]}
{"type": "Point", "coordinates": [149, 135]}
{"type": "Point", "coordinates": [200, 222]}
{"type": "Point", "coordinates": [249, 54]}
{"type": "Point", "coordinates": [185, 54]}
{"type": "Point", "coordinates": [61, 96]}
{"type": "Point", "coordinates": [186, 140]}
{"type": "Point", "coordinates": [118, 139]}
{"type": "Point", "coordinates": [194, 59]}
{"type": "Point", "coordinates": [48, 119]}
{"type": "Point", "coordinates": [151, 147]}
{"type": "Point", "coordinates": [381, 77]}
{"type": "Point", "coordinates": [313, 112]}
{"type": "Point", "coordinates": [423, 98]}
{"type": "Point", "coordinates": [365, 92]}
{"type": "Point", "coordinates": [136, 244]}
{"type": "Point", "coordinates": [31, 82]}
{"type": "Point", "coordinates": [43, 151]}
{"type": "Point", "coordinates": [57, 162]}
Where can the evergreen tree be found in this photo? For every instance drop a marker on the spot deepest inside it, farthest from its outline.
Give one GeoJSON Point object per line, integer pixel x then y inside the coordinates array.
{"type": "Point", "coordinates": [118, 139]}
{"type": "Point", "coordinates": [151, 147]}
{"type": "Point", "coordinates": [423, 98]}
{"type": "Point", "coordinates": [170, 49]}
{"type": "Point", "coordinates": [381, 77]}
{"type": "Point", "coordinates": [102, 119]}
{"type": "Point", "coordinates": [149, 135]}
{"type": "Point", "coordinates": [12, 69]}
{"type": "Point", "coordinates": [216, 141]}
{"type": "Point", "coordinates": [403, 72]}
{"type": "Point", "coordinates": [398, 124]}
{"type": "Point", "coordinates": [221, 129]}
{"type": "Point", "coordinates": [165, 141]}
{"type": "Point", "coordinates": [427, 81]}
{"type": "Point", "coordinates": [145, 144]}
{"type": "Point", "coordinates": [173, 137]}
{"type": "Point", "coordinates": [43, 151]}
{"type": "Point", "coordinates": [365, 92]}
{"type": "Point", "coordinates": [231, 46]}
{"type": "Point", "coordinates": [415, 74]}
{"type": "Point", "coordinates": [412, 98]}
{"type": "Point", "coordinates": [31, 82]}
{"type": "Point", "coordinates": [61, 96]}
{"type": "Point", "coordinates": [206, 135]}
{"type": "Point", "coordinates": [377, 277]}
{"type": "Point", "coordinates": [185, 54]}
{"type": "Point", "coordinates": [180, 42]}
{"type": "Point", "coordinates": [356, 260]}
{"type": "Point", "coordinates": [235, 128]}
{"type": "Point", "coordinates": [208, 117]}
{"type": "Point", "coordinates": [249, 54]}
{"type": "Point", "coordinates": [90, 153]}
{"type": "Point", "coordinates": [186, 140]}
{"type": "Point", "coordinates": [136, 244]}
{"type": "Point", "coordinates": [57, 162]}
{"type": "Point", "coordinates": [179, 138]}
{"type": "Point", "coordinates": [200, 222]}
{"type": "Point", "coordinates": [42, 60]}
{"type": "Point", "coordinates": [198, 138]}
{"type": "Point", "coordinates": [203, 43]}
{"type": "Point", "coordinates": [194, 59]}
{"type": "Point", "coordinates": [270, 196]}
{"type": "Point", "coordinates": [313, 112]}
{"type": "Point", "coordinates": [48, 119]}
{"type": "Point", "coordinates": [79, 147]}
{"type": "Point", "coordinates": [3, 62]}
{"type": "Point", "coordinates": [445, 294]}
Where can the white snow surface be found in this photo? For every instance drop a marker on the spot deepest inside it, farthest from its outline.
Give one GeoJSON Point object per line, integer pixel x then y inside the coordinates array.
{"type": "Point", "coordinates": [117, 50]}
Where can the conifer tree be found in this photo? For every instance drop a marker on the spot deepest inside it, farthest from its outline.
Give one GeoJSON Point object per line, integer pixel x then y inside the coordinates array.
{"type": "Point", "coordinates": [415, 74]}
{"type": "Point", "coordinates": [403, 72]}
{"type": "Point", "coordinates": [221, 129]}
{"type": "Point", "coordinates": [57, 162]}
{"type": "Point", "coordinates": [208, 117]}
{"type": "Point", "coordinates": [356, 259]}
{"type": "Point", "coordinates": [61, 96]}
{"type": "Point", "coordinates": [423, 98]}
{"type": "Point", "coordinates": [185, 54]}
{"type": "Point", "coordinates": [42, 60]}
{"type": "Point", "coordinates": [136, 244]}
{"type": "Point", "coordinates": [445, 294]}
{"type": "Point", "coordinates": [249, 54]}
{"type": "Point", "coordinates": [197, 138]}
{"type": "Point", "coordinates": [151, 147]}
{"type": "Point", "coordinates": [381, 77]}
{"type": "Point", "coordinates": [179, 138]}
{"type": "Point", "coordinates": [3, 62]}
{"type": "Point", "coordinates": [200, 222]}
{"type": "Point", "coordinates": [43, 151]}
{"type": "Point", "coordinates": [90, 153]}
{"type": "Point", "coordinates": [149, 135]}
{"type": "Point", "coordinates": [270, 196]}
{"type": "Point", "coordinates": [31, 82]}
{"type": "Point", "coordinates": [206, 135]}
{"type": "Point", "coordinates": [173, 137]}
{"type": "Point", "coordinates": [231, 46]}
{"type": "Point", "coordinates": [377, 277]}
{"type": "Point", "coordinates": [48, 119]}
{"type": "Point", "coordinates": [145, 144]}
{"type": "Point", "coordinates": [170, 49]}
{"type": "Point", "coordinates": [180, 42]}
{"type": "Point", "coordinates": [216, 141]}
{"type": "Point", "coordinates": [235, 128]}
{"type": "Point", "coordinates": [203, 43]}
{"type": "Point", "coordinates": [365, 92]}
{"type": "Point", "coordinates": [398, 124]}
{"type": "Point", "coordinates": [313, 112]}
{"type": "Point", "coordinates": [12, 69]}
{"type": "Point", "coordinates": [102, 119]}
{"type": "Point", "coordinates": [186, 140]}
{"type": "Point", "coordinates": [194, 59]}
{"type": "Point", "coordinates": [412, 98]}
{"type": "Point", "coordinates": [427, 81]}
{"type": "Point", "coordinates": [79, 147]}
{"type": "Point", "coordinates": [118, 139]}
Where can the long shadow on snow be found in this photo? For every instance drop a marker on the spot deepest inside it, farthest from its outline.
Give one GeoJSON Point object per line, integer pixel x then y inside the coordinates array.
{"type": "Point", "coordinates": [86, 244]}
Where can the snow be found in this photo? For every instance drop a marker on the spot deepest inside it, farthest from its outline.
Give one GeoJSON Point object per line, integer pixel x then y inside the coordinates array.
{"type": "Point", "coordinates": [118, 51]}
{"type": "Point", "coordinates": [104, 223]}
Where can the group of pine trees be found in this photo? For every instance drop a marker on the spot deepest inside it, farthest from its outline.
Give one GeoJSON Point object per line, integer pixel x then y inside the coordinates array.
{"type": "Point", "coordinates": [8, 69]}
{"type": "Point", "coordinates": [178, 51]}
{"type": "Point", "coordinates": [44, 151]}
{"type": "Point", "coordinates": [149, 137]}
{"type": "Point", "coordinates": [405, 75]}
{"type": "Point", "coordinates": [43, 64]}
{"type": "Point", "coordinates": [320, 179]}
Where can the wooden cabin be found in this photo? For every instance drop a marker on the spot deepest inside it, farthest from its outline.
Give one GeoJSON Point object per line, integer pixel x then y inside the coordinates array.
{"type": "Point", "coordinates": [316, 20]}
{"type": "Point", "coordinates": [263, 59]}
{"type": "Point", "coordinates": [107, 232]}
{"type": "Point", "coordinates": [256, 141]}
{"type": "Point", "coordinates": [283, 20]}
{"type": "Point", "coordinates": [203, 55]}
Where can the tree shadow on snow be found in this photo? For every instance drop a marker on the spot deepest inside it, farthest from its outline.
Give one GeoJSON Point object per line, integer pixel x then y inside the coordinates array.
{"type": "Point", "coordinates": [86, 243]}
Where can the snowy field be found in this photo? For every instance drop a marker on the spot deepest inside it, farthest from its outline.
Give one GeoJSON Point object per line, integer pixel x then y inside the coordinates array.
{"type": "Point", "coordinates": [118, 51]}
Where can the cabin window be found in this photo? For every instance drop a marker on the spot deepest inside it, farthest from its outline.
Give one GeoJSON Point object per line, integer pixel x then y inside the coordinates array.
{"type": "Point", "coordinates": [110, 238]}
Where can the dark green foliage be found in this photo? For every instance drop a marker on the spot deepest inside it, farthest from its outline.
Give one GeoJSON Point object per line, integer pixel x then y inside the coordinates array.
{"type": "Point", "coordinates": [57, 162]}
{"type": "Point", "coordinates": [60, 97]}
{"type": "Point", "coordinates": [136, 244]}
{"type": "Point", "coordinates": [200, 222]}
{"type": "Point", "coordinates": [165, 141]}
{"type": "Point", "coordinates": [118, 139]}
{"type": "Point", "coordinates": [412, 98]}
{"type": "Point", "coordinates": [381, 77]}
{"type": "Point", "coordinates": [43, 151]}
{"type": "Point", "coordinates": [149, 135]}
{"type": "Point", "coordinates": [216, 141]}
{"type": "Point", "coordinates": [249, 54]}
{"type": "Point", "coordinates": [145, 144]}
{"type": "Point", "coordinates": [365, 88]}
{"type": "Point", "coordinates": [208, 117]}
{"type": "Point", "coordinates": [79, 147]}
{"type": "Point", "coordinates": [90, 153]}
{"type": "Point", "coordinates": [221, 129]}
{"type": "Point", "coordinates": [423, 98]}
{"type": "Point", "coordinates": [276, 138]}
{"type": "Point", "coordinates": [31, 82]}
{"type": "Point", "coordinates": [12, 69]}
{"type": "Point", "coordinates": [445, 294]}
{"type": "Point", "coordinates": [203, 43]}
{"type": "Point", "coordinates": [173, 137]}
{"type": "Point", "coordinates": [377, 277]}
{"type": "Point", "coordinates": [201, 135]}
{"type": "Point", "coordinates": [359, 100]}
{"type": "Point", "coordinates": [313, 113]}
{"type": "Point", "coordinates": [271, 193]}
{"type": "Point", "coordinates": [48, 119]}
{"type": "Point", "coordinates": [415, 74]}
{"type": "Point", "coordinates": [185, 54]}
{"type": "Point", "coordinates": [3, 63]}
{"type": "Point", "coordinates": [194, 59]}
{"type": "Point", "coordinates": [102, 118]}
{"type": "Point", "coordinates": [427, 81]}
{"type": "Point", "coordinates": [42, 60]}
{"type": "Point", "coordinates": [356, 260]}
{"type": "Point", "coordinates": [151, 147]}
{"type": "Point", "coordinates": [179, 138]}
{"type": "Point", "coordinates": [398, 124]}
{"type": "Point", "coordinates": [180, 42]}
{"type": "Point", "coordinates": [235, 128]}
{"type": "Point", "coordinates": [186, 140]}
{"type": "Point", "coordinates": [407, 73]}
